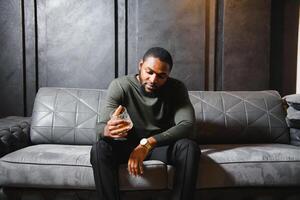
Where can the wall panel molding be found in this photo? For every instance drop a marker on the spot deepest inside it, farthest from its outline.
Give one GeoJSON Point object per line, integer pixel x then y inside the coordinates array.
{"type": "Point", "coordinates": [122, 37]}
{"type": "Point", "coordinates": [210, 44]}
{"type": "Point", "coordinates": [219, 56]}
{"type": "Point", "coordinates": [30, 54]}
{"type": "Point", "coordinates": [41, 25]}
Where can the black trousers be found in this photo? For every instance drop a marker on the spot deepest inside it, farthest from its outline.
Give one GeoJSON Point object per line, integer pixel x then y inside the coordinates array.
{"type": "Point", "coordinates": [107, 155]}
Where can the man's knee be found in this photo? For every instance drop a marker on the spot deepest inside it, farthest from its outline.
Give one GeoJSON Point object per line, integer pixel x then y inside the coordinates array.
{"type": "Point", "coordinates": [100, 150]}
{"type": "Point", "coordinates": [189, 145]}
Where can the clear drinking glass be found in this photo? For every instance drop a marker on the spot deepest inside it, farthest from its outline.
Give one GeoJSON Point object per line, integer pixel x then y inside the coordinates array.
{"type": "Point", "coordinates": [123, 115]}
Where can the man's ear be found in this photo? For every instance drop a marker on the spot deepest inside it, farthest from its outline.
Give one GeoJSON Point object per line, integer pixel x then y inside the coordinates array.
{"type": "Point", "coordinates": [141, 64]}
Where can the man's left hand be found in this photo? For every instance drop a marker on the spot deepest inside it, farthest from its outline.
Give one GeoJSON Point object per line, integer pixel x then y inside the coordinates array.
{"type": "Point", "coordinates": [135, 162]}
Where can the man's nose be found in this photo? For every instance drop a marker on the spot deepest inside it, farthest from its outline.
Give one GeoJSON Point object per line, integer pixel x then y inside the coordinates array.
{"type": "Point", "coordinates": [153, 78]}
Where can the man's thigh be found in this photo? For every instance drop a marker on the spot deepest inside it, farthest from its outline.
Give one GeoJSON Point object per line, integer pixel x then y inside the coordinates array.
{"type": "Point", "coordinates": [161, 153]}
{"type": "Point", "coordinates": [172, 153]}
{"type": "Point", "coordinates": [120, 149]}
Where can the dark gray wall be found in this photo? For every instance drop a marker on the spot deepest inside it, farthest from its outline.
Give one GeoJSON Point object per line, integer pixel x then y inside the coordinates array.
{"type": "Point", "coordinates": [62, 43]}
{"type": "Point", "coordinates": [216, 44]}
{"type": "Point", "coordinates": [245, 45]}
{"type": "Point", "coordinates": [11, 59]}
{"type": "Point", "coordinates": [178, 26]}
{"type": "Point", "coordinates": [284, 45]}
{"type": "Point", "coordinates": [76, 43]}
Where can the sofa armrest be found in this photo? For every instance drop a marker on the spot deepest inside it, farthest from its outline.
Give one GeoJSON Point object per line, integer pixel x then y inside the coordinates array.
{"type": "Point", "coordinates": [14, 134]}
{"type": "Point", "coordinates": [295, 136]}
{"type": "Point", "coordinates": [292, 103]}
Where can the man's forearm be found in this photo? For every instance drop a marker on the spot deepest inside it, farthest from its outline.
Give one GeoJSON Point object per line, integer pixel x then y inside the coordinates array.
{"type": "Point", "coordinates": [179, 131]}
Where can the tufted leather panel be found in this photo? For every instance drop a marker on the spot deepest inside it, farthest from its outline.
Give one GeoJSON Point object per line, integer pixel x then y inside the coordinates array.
{"type": "Point", "coordinates": [239, 117]}
{"type": "Point", "coordinates": [14, 133]}
{"type": "Point", "coordinates": [66, 116]}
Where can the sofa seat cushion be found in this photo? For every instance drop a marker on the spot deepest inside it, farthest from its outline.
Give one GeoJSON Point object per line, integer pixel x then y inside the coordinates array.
{"type": "Point", "coordinates": [248, 165]}
{"type": "Point", "coordinates": [68, 166]}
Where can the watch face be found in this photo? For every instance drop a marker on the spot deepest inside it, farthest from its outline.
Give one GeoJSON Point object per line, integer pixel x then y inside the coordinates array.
{"type": "Point", "coordinates": [144, 141]}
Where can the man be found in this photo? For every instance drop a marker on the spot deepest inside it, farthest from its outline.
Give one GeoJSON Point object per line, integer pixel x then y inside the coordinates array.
{"type": "Point", "coordinates": [162, 117]}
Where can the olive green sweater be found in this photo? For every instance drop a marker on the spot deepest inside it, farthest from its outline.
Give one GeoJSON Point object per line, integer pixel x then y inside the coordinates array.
{"type": "Point", "coordinates": [167, 115]}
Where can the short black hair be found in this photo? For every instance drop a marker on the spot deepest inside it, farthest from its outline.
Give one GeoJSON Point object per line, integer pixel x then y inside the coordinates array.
{"type": "Point", "coordinates": [160, 53]}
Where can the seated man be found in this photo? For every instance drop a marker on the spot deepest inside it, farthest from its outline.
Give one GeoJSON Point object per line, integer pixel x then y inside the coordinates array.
{"type": "Point", "coordinates": [162, 116]}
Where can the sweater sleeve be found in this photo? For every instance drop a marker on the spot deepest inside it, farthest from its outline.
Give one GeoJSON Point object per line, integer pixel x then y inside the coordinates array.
{"type": "Point", "coordinates": [184, 119]}
{"type": "Point", "coordinates": [113, 99]}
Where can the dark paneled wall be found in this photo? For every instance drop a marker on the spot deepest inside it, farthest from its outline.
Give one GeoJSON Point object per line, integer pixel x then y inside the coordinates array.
{"type": "Point", "coordinates": [178, 26]}
{"type": "Point", "coordinates": [284, 45]}
{"type": "Point", "coordinates": [245, 45]}
{"type": "Point", "coordinates": [290, 46]}
{"type": "Point", "coordinates": [216, 44]}
{"type": "Point", "coordinates": [76, 42]}
{"type": "Point", "coordinates": [11, 59]}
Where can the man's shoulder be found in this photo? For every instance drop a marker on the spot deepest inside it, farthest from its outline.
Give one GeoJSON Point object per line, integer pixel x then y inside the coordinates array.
{"type": "Point", "coordinates": [174, 88]}
{"type": "Point", "coordinates": [123, 81]}
{"type": "Point", "coordinates": [175, 80]}
{"type": "Point", "coordinates": [174, 83]}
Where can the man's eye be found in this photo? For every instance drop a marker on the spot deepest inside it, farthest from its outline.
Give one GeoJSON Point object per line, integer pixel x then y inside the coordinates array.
{"type": "Point", "coordinates": [149, 72]}
{"type": "Point", "coordinates": [162, 76]}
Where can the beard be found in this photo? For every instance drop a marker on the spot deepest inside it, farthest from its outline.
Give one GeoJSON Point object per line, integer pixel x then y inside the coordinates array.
{"type": "Point", "coordinates": [153, 93]}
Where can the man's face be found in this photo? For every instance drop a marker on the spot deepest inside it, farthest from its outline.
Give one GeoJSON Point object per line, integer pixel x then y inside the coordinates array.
{"type": "Point", "coordinates": [153, 74]}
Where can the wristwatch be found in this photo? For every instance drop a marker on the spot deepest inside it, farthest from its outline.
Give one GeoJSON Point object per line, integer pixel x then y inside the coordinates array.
{"type": "Point", "coordinates": [145, 143]}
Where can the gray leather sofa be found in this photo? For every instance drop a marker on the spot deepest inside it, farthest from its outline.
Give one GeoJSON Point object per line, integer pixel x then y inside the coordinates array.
{"type": "Point", "coordinates": [243, 136]}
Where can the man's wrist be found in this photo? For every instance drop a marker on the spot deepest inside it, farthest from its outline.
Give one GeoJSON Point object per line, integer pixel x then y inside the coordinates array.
{"type": "Point", "coordinates": [145, 144]}
{"type": "Point", "coordinates": [148, 143]}
{"type": "Point", "coordinates": [152, 142]}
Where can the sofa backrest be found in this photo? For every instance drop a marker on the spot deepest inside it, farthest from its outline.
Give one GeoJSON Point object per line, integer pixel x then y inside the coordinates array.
{"type": "Point", "coordinates": [68, 116]}
{"type": "Point", "coordinates": [239, 117]}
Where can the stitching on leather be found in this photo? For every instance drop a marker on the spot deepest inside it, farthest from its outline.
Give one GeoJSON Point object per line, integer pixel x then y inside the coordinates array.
{"type": "Point", "coordinates": [81, 101]}
{"type": "Point", "coordinates": [199, 98]}
{"type": "Point", "coordinates": [59, 115]}
{"type": "Point", "coordinates": [54, 106]}
{"type": "Point", "coordinates": [224, 111]}
{"type": "Point", "coordinates": [45, 164]}
{"type": "Point", "coordinates": [42, 135]}
{"type": "Point", "coordinates": [269, 121]}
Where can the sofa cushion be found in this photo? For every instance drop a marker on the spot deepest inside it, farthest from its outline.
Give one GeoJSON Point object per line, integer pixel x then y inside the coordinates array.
{"type": "Point", "coordinates": [293, 117]}
{"type": "Point", "coordinates": [251, 165]}
{"type": "Point", "coordinates": [228, 165]}
{"type": "Point", "coordinates": [239, 117]}
{"type": "Point", "coordinates": [66, 116]}
{"type": "Point", "coordinates": [257, 165]}
{"type": "Point", "coordinates": [293, 100]}
{"type": "Point", "coordinates": [68, 166]}
{"type": "Point", "coordinates": [14, 133]}
{"type": "Point", "coordinates": [295, 136]}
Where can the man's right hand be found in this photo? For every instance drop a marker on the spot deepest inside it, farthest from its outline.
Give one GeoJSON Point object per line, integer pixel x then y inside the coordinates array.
{"type": "Point", "coordinates": [117, 127]}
